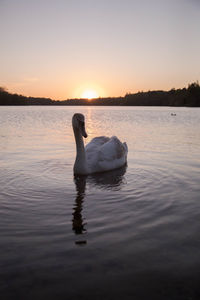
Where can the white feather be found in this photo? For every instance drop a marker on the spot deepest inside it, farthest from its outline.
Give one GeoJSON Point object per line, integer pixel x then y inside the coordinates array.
{"type": "Point", "coordinates": [104, 154]}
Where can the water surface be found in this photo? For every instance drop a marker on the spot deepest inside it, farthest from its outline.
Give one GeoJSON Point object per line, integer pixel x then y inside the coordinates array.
{"type": "Point", "coordinates": [133, 233]}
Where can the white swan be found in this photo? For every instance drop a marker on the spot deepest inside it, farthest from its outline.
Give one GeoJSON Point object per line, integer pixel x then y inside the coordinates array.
{"type": "Point", "coordinates": [100, 155]}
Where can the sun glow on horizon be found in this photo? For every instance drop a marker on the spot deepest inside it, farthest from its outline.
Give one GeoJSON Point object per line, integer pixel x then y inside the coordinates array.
{"type": "Point", "coordinates": [89, 91]}
{"type": "Point", "coordinates": [89, 94]}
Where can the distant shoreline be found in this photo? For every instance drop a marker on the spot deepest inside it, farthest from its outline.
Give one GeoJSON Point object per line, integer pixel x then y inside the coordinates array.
{"type": "Point", "coordinates": [186, 97]}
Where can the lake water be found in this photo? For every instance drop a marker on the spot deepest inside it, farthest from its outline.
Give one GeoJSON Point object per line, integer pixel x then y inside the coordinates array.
{"type": "Point", "coordinates": [133, 233]}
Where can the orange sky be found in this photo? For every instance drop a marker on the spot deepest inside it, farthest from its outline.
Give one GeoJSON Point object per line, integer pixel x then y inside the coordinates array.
{"type": "Point", "coordinates": [61, 49]}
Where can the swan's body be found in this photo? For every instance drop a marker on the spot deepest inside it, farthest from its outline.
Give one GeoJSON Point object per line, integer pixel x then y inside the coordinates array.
{"type": "Point", "coordinates": [100, 155]}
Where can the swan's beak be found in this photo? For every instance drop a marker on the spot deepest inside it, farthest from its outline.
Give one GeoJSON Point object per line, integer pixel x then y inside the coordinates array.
{"type": "Point", "coordinates": [83, 132]}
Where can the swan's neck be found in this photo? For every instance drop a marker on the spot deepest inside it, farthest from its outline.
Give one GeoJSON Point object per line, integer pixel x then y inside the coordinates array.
{"type": "Point", "coordinates": [80, 166]}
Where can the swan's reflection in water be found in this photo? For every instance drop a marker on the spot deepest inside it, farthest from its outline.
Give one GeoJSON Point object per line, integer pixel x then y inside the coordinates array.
{"type": "Point", "coordinates": [112, 180]}
{"type": "Point", "coordinates": [77, 221]}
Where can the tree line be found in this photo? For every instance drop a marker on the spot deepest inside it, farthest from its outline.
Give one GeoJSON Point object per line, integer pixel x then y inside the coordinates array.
{"type": "Point", "coordinates": [189, 96]}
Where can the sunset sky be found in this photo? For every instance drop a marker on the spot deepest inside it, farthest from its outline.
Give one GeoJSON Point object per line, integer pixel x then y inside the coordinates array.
{"type": "Point", "coordinates": [73, 48]}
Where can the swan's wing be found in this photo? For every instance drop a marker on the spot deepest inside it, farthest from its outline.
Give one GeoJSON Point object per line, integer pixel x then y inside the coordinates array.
{"type": "Point", "coordinates": [112, 150]}
{"type": "Point", "coordinates": [92, 149]}
{"type": "Point", "coordinates": [105, 153]}
{"type": "Point", "coordinates": [96, 143]}
{"type": "Point", "coordinates": [112, 155]}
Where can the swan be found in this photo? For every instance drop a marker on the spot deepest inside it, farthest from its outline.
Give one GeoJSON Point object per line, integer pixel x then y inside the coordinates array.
{"type": "Point", "coordinates": [100, 155]}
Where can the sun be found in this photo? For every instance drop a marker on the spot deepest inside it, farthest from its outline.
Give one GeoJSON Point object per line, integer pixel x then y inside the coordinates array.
{"type": "Point", "coordinates": [89, 94]}
{"type": "Point", "coordinates": [89, 91]}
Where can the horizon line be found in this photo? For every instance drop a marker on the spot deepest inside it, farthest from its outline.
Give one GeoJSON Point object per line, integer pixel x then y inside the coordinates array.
{"type": "Point", "coordinates": [3, 88]}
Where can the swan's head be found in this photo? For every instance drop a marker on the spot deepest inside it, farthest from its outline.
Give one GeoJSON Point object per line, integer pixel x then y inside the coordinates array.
{"type": "Point", "coordinates": [78, 123]}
